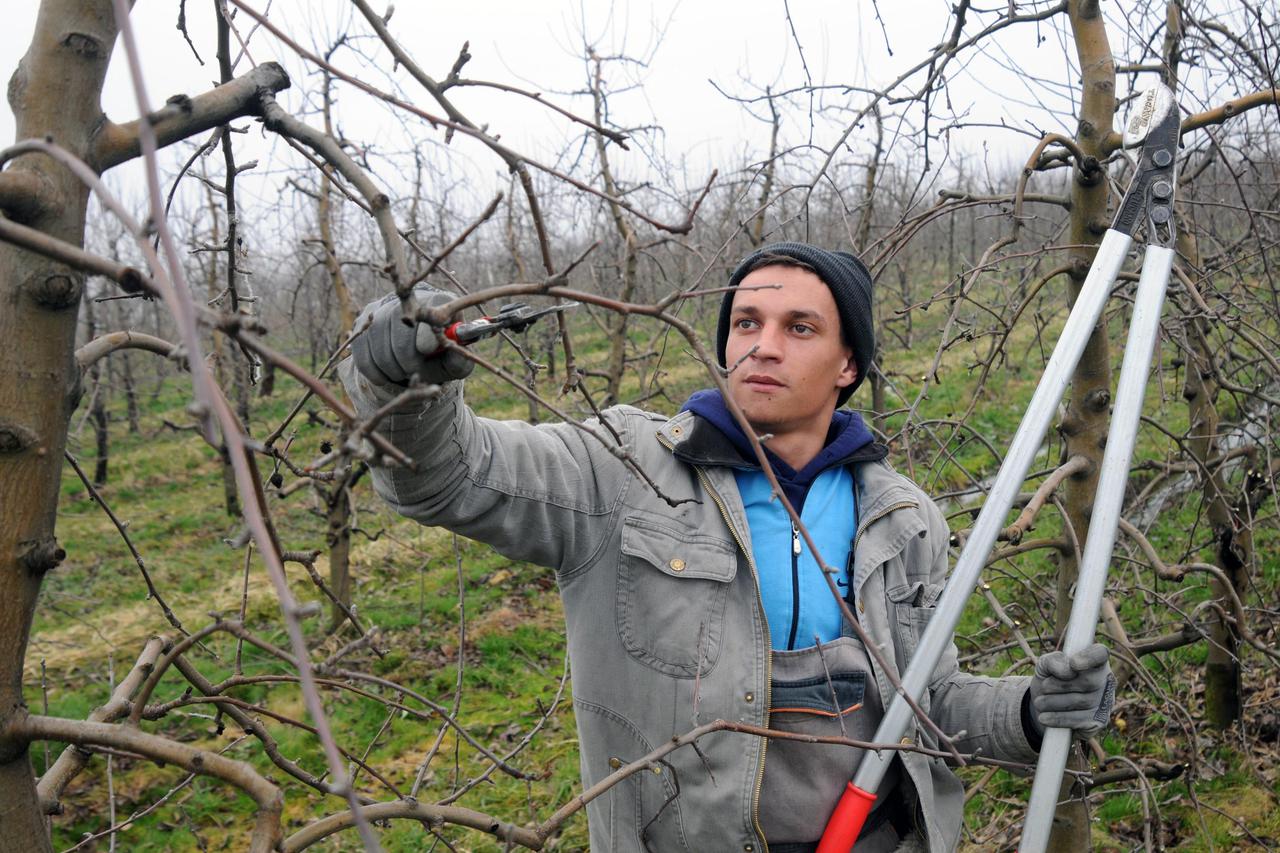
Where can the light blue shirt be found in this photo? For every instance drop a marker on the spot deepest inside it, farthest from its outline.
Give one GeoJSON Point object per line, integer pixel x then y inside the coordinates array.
{"type": "Point", "coordinates": [797, 601]}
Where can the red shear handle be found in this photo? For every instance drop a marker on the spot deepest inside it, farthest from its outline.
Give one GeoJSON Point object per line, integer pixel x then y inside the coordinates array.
{"type": "Point", "coordinates": [847, 820]}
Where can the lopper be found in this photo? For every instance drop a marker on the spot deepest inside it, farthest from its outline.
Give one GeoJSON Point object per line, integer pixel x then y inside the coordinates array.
{"type": "Point", "coordinates": [1149, 202]}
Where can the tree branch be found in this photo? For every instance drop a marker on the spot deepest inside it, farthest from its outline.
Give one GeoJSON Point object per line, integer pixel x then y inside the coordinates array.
{"type": "Point", "coordinates": [379, 204]}
{"type": "Point", "coordinates": [1230, 109]}
{"type": "Point", "coordinates": [182, 117]}
{"type": "Point", "coordinates": [132, 280]}
{"type": "Point", "coordinates": [129, 279]}
{"type": "Point", "coordinates": [104, 345]}
{"type": "Point", "coordinates": [1015, 531]}
{"type": "Point", "coordinates": [266, 831]}
{"type": "Point", "coordinates": [73, 759]}
{"type": "Point", "coordinates": [413, 810]}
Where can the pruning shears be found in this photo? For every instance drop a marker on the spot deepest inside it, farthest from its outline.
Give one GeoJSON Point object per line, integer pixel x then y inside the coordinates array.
{"type": "Point", "coordinates": [1154, 125]}
{"type": "Point", "coordinates": [516, 317]}
{"type": "Point", "coordinates": [1151, 193]}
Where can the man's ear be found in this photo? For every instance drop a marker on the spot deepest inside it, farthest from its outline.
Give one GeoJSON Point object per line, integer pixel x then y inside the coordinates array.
{"type": "Point", "coordinates": [848, 373]}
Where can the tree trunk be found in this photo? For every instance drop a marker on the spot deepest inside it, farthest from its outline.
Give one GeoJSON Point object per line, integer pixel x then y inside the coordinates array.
{"type": "Point", "coordinates": [102, 441]}
{"type": "Point", "coordinates": [54, 92]}
{"type": "Point", "coordinates": [770, 168]}
{"type": "Point", "coordinates": [97, 405]}
{"type": "Point", "coordinates": [324, 221]}
{"type": "Point", "coordinates": [267, 385]}
{"type": "Point", "coordinates": [338, 539]}
{"type": "Point", "coordinates": [242, 362]}
{"type": "Point", "coordinates": [1233, 540]}
{"type": "Point", "coordinates": [1088, 412]}
{"type": "Point", "coordinates": [161, 372]}
{"type": "Point", "coordinates": [221, 355]}
{"type": "Point", "coordinates": [876, 379]}
{"type": "Point", "coordinates": [617, 323]}
{"type": "Point", "coordinates": [130, 393]}
{"type": "Point", "coordinates": [519, 273]}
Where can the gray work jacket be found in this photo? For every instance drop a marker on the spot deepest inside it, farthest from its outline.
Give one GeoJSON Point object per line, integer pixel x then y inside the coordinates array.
{"type": "Point", "coordinates": [665, 625]}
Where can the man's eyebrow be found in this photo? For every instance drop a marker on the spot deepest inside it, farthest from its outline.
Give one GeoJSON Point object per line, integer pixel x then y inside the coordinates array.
{"type": "Point", "coordinates": [793, 314]}
{"type": "Point", "coordinates": [805, 314]}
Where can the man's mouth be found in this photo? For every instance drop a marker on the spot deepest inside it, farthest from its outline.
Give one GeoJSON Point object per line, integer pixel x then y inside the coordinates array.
{"type": "Point", "coordinates": [761, 382]}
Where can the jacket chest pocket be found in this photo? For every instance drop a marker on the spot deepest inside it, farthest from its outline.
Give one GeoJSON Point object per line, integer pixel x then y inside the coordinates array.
{"type": "Point", "coordinates": [912, 605]}
{"type": "Point", "coordinates": [672, 588]}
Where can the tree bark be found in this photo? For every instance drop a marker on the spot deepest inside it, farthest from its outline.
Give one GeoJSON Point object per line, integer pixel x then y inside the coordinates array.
{"type": "Point", "coordinates": [242, 362]}
{"type": "Point", "coordinates": [1087, 418]}
{"type": "Point", "coordinates": [338, 540]}
{"type": "Point", "coordinates": [130, 393]}
{"type": "Point", "coordinates": [324, 221]}
{"type": "Point", "coordinates": [219, 351]}
{"type": "Point", "coordinates": [97, 405]}
{"type": "Point", "coordinates": [770, 168]}
{"type": "Point", "coordinates": [54, 92]}
{"type": "Point", "coordinates": [876, 379]}
{"type": "Point", "coordinates": [617, 323]}
{"type": "Point", "coordinates": [1233, 540]}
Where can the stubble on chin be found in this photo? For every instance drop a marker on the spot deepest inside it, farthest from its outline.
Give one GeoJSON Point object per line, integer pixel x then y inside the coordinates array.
{"type": "Point", "coordinates": [764, 419]}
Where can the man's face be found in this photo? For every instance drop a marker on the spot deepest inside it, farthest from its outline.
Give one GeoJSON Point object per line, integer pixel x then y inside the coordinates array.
{"type": "Point", "coordinates": [791, 360]}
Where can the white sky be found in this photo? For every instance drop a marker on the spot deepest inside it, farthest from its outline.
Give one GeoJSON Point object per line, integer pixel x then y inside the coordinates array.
{"type": "Point", "coordinates": [536, 44]}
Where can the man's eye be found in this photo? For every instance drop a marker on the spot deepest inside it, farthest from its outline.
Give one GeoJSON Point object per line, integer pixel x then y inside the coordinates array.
{"type": "Point", "coordinates": [745, 323]}
{"type": "Point", "coordinates": [803, 329]}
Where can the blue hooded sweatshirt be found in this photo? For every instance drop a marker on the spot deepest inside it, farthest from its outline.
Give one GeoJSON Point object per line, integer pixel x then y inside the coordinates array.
{"type": "Point", "coordinates": [797, 602]}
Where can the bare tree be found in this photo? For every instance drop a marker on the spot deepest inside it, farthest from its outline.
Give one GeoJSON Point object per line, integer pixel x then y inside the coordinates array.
{"type": "Point", "coordinates": [968, 255]}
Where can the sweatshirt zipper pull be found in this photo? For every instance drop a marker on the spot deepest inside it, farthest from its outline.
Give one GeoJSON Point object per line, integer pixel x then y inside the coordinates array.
{"type": "Point", "coordinates": [795, 539]}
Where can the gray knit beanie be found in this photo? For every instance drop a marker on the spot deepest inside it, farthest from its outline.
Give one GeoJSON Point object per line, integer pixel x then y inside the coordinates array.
{"type": "Point", "coordinates": [850, 284]}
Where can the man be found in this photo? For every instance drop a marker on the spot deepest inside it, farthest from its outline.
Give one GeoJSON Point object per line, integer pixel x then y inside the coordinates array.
{"type": "Point", "coordinates": [704, 602]}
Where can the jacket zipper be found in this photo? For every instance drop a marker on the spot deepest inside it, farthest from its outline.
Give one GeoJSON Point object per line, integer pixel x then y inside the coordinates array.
{"type": "Point", "coordinates": [862, 527]}
{"type": "Point", "coordinates": [768, 643]}
{"type": "Point", "coordinates": [795, 586]}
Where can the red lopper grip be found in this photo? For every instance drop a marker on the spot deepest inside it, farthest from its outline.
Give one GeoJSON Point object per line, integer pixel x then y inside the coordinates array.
{"type": "Point", "coordinates": [847, 820]}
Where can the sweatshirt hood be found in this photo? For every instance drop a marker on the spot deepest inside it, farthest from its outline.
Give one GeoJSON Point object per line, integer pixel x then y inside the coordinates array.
{"type": "Point", "coordinates": [848, 440]}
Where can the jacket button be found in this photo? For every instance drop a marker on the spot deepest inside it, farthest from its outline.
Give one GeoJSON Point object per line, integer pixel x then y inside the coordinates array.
{"type": "Point", "coordinates": [748, 847]}
{"type": "Point", "coordinates": [615, 763]}
{"type": "Point", "coordinates": [750, 697]}
{"type": "Point", "coordinates": [862, 606]}
{"type": "Point", "coordinates": [906, 741]}
{"type": "Point", "coordinates": [676, 564]}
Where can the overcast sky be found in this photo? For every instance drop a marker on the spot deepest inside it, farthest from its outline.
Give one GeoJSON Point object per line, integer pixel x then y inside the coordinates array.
{"type": "Point", "coordinates": [741, 46]}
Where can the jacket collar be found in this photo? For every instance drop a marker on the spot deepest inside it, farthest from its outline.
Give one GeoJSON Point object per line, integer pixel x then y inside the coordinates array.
{"type": "Point", "coordinates": [696, 442]}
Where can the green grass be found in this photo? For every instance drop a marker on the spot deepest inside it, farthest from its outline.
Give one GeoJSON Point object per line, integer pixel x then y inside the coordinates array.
{"type": "Point", "coordinates": [167, 487]}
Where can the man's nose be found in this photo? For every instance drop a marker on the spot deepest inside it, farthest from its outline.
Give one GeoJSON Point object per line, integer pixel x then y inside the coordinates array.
{"type": "Point", "coordinates": [769, 343]}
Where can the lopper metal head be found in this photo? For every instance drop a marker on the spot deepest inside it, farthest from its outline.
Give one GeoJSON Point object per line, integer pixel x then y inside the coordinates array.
{"type": "Point", "coordinates": [1154, 123]}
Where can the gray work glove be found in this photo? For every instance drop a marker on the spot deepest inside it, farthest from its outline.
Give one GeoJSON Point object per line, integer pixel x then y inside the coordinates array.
{"type": "Point", "coordinates": [389, 352]}
{"type": "Point", "coordinates": [1073, 691]}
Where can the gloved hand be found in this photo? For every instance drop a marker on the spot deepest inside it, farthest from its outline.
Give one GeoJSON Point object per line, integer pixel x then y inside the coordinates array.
{"type": "Point", "coordinates": [1073, 691]}
{"type": "Point", "coordinates": [389, 352]}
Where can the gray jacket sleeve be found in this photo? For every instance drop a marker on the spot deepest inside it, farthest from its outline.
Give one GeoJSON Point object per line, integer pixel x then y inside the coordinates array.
{"type": "Point", "coordinates": [985, 712]}
{"type": "Point", "coordinates": [536, 493]}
